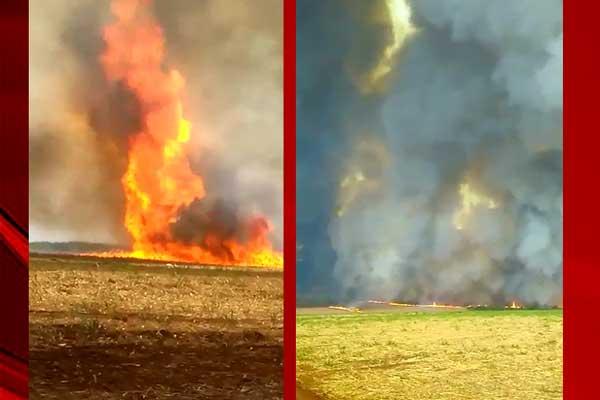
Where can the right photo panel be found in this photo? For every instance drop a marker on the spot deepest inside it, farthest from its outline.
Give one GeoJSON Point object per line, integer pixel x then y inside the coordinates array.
{"type": "Point", "coordinates": [429, 199]}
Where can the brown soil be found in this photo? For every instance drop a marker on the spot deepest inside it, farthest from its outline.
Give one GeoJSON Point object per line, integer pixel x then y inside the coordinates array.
{"type": "Point", "coordinates": [191, 336]}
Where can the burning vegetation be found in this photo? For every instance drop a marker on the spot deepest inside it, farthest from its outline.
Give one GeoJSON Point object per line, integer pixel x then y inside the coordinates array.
{"type": "Point", "coordinates": [162, 193]}
{"type": "Point", "coordinates": [176, 203]}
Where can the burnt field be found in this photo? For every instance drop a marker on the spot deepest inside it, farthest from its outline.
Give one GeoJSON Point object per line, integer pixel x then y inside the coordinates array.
{"type": "Point", "coordinates": [122, 329]}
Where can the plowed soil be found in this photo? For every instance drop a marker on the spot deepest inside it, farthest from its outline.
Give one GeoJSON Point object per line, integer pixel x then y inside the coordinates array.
{"type": "Point", "coordinates": [107, 329]}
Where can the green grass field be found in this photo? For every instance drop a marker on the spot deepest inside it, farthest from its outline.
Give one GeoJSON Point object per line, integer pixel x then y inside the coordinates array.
{"type": "Point", "coordinates": [478, 355]}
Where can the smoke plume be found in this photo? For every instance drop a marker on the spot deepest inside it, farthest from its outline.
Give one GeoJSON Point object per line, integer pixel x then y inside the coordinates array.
{"type": "Point", "coordinates": [446, 184]}
{"type": "Point", "coordinates": [80, 124]}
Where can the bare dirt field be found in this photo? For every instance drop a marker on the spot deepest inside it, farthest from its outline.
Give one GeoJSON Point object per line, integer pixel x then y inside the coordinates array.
{"type": "Point", "coordinates": [117, 329]}
{"type": "Point", "coordinates": [420, 355]}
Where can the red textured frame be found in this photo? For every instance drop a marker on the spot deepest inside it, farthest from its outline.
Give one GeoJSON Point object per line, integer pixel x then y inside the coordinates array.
{"type": "Point", "coordinates": [581, 193]}
{"type": "Point", "coordinates": [14, 81]}
{"type": "Point", "coordinates": [289, 188]}
{"type": "Point", "coordinates": [581, 141]}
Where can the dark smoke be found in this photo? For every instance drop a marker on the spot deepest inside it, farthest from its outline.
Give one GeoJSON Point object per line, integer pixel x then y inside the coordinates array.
{"type": "Point", "coordinates": [475, 95]}
{"type": "Point", "coordinates": [214, 223]}
{"type": "Point", "coordinates": [116, 112]}
{"type": "Point", "coordinates": [210, 223]}
{"type": "Point", "coordinates": [231, 57]}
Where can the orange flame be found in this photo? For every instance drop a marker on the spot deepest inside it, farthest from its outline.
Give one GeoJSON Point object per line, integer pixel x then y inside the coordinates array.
{"type": "Point", "coordinates": [342, 308]}
{"type": "Point", "coordinates": [514, 305]}
{"type": "Point", "coordinates": [433, 305]}
{"type": "Point", "coordinates": [159, 181]}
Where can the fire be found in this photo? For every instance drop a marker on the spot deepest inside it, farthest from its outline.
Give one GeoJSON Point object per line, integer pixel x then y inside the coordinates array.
{"type": "Point", "coordinates": [469, 201]}
{"type": "Point", "coordinates": [364, 173]}
{"type": "Point", "coordinates": [436, 305]}
{"type": "Point", "coordinates": [400, 16]}
{"type": "Point", "coordinates": [432, 305]}
{"type": "Point", "coordinates": [159, 181]}
{"type": "Point", "coordinates": [342, 308]}
{"type": "Point", "coordinates": [514, 306]}
{"type": "Point", "coordinates": [350, 186]}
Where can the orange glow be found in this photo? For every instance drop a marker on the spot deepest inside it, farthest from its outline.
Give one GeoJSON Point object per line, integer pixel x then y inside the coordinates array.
{"type": "Point", "coordinates": [470, 200]}
{"type": "Point", "coordinates": [342, 308]}
{"type": "Point", "coordinates": [433, 305]}
{"type": "Point", "coordinates": [514, 305]}
{"type": "Point", "coordinates": [159, 181]}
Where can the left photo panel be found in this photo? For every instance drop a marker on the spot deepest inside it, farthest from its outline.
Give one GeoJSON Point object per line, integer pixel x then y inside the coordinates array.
{"type": "Point", "coordinates": [13, 201]}
{"type": "Point", "coordinates": [155, 199]}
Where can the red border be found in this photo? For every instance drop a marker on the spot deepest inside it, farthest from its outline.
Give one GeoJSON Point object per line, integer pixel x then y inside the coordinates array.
{"type": "Point", "coordinates": [289, 189]}
{"type": "Point", "coordinates": [14, 237]}
{"type": "Point", "coordinates": [581, 193]}
{"type": "Point", "coordinates": [581, 264]}
{"type": "Point", "coordinates": [13, 378]}
{"type": "Point", "coordinates": [14, 91]}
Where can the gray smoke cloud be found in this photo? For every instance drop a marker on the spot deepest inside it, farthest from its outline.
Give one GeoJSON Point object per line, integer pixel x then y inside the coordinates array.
{"type": "Point", "coordinates": [231, 57]}
{"type": "Point", "coordinates": [475, 96]}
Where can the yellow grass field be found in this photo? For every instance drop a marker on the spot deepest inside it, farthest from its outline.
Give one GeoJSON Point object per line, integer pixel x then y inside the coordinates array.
{"type": "Point", "coordinates": [475, 355]}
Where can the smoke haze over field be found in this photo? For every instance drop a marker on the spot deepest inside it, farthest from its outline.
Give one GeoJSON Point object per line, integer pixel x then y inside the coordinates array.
{"type": "Point", "coordinates": [231, 58]}
{"type": "Point", "coordinates": [445, 184]}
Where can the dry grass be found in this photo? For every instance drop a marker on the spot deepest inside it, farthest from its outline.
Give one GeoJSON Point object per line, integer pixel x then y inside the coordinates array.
{"type": "Point", "coordinates": [107, 329]}
{"type": "Point", "coordinates": [478, 355]}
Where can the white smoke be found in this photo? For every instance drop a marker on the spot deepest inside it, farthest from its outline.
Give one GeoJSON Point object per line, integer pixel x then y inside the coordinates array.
{"type": "Point", "coordinates": [477, 95]}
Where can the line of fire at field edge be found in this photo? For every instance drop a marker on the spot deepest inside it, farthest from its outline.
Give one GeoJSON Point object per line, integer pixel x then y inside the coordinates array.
{"type": "Point", "coordinates": [514, 305]}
